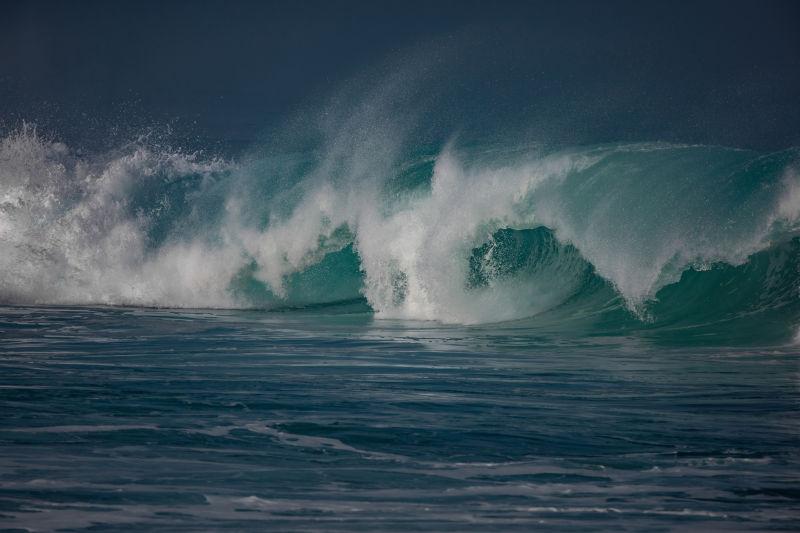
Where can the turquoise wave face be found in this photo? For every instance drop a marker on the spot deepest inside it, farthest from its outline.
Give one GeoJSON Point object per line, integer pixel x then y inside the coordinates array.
{"type": "Point", "coordinates": [717, 303]}
{"type": "Point", "coordinates": [681, 241]}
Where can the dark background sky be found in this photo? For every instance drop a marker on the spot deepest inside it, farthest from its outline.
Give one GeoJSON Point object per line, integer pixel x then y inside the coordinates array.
{"type": "Point", "coordinates": [713, 72]}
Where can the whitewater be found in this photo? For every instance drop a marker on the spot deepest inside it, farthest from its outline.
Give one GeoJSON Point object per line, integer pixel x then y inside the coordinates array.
{"type": "Point", "coordinates": [463, 235]}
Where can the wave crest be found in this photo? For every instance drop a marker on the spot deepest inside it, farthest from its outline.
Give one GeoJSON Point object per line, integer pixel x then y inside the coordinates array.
{"type": "Point", "coordinates": [465, 236]}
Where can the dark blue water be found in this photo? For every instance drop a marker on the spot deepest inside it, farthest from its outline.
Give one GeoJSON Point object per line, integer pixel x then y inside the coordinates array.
{"type": "Point", "coordinates": [146, 420]}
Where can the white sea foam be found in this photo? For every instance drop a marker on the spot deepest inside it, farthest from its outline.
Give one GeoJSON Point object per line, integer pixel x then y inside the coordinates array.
{"type": "Point", "coordinates": [71, 230]}
{"type": "Point", "coordinates": [69, 234]}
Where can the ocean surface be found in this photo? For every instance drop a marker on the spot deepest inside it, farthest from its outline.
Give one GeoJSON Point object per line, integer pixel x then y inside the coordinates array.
{"type": "Point", "coordinates": [158, 420]}
{"type": "Point", "coordinates": [358, 331]}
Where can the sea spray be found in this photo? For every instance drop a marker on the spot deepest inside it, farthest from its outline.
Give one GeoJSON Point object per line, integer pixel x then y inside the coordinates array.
{"type": "Point", "coordinates": [461, 236]}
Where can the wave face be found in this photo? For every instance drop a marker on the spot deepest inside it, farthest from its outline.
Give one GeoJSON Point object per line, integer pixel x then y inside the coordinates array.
{"type": "Point", "coordinates": [616, 236]}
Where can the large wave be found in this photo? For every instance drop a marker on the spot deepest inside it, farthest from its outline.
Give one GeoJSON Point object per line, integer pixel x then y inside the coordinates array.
{"type": "Point", "coordinates": [665, 234]}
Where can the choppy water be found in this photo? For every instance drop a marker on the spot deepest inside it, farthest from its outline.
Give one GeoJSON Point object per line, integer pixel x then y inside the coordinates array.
{"type": "Point", "coordinates": [125, 419]}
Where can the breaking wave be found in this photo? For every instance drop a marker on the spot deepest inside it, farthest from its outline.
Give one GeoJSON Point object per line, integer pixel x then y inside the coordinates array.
{"type": "Point", "coordinates": [620, 236]}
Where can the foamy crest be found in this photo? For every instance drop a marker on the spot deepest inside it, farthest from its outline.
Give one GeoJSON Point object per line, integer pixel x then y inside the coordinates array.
{"type": "Point", "coordinates": [153, 227]}
{"type": "Point", "coordinates": [416, 261]}
{"type": "Point", "coordinates": [69, 232]}
{"type": "Point", "coordinates": [640, 214]}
